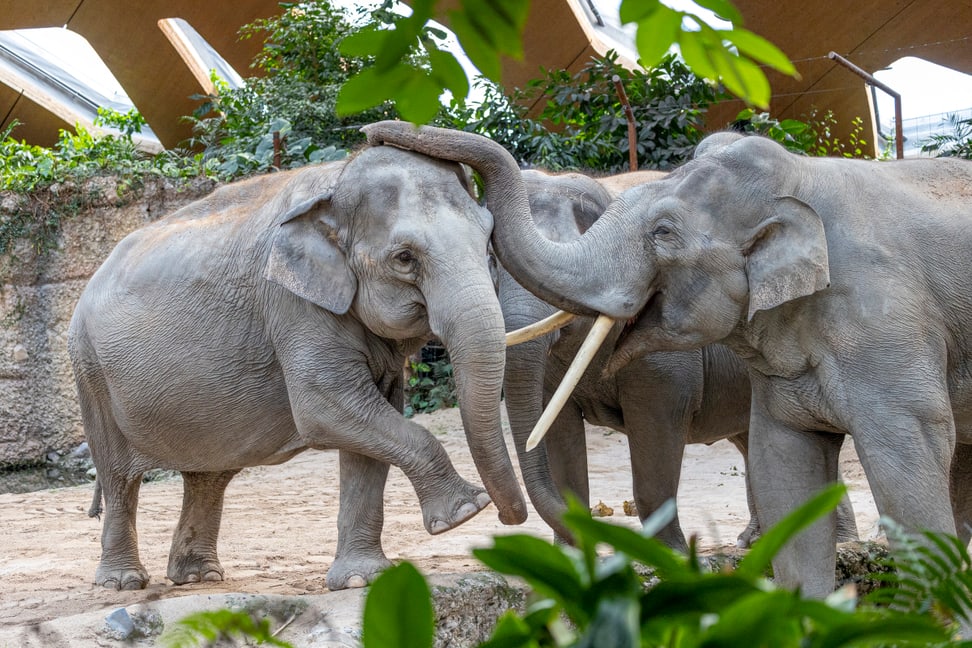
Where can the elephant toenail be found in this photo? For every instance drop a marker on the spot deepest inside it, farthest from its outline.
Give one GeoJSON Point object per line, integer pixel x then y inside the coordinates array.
{"type": "Point", "coordinates": [356, 581]}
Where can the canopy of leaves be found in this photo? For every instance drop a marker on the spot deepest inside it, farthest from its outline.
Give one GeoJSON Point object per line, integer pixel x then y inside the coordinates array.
{"type": "Point", "coordinates": [582, 124]}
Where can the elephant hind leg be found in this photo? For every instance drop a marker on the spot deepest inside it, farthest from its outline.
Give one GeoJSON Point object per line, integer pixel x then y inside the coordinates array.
{"type": "Point", "coordinates": [120, 567]}
{"type": "Point", "coordinates": [193, 558]}
{"type": "Point", "coordinates": [752, 531]}
{"type": "Point", "coordinates": [961, 491]}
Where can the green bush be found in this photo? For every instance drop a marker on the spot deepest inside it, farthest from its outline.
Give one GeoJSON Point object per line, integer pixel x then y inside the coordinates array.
{"type": "Point", "coordinates": [582, 124]}
{"type": "Point", "coordinates": [644, 594]}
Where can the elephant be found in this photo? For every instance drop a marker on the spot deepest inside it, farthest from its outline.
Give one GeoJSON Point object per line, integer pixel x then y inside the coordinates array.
{"type": "Point", "coordinates": [273, 316]}
{"type": "Point", "coordinates": [661, 401]}
{"type": "Point", "coordinates": [842, 284]}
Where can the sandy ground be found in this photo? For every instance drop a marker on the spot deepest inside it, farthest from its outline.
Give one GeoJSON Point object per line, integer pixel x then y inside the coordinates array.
{"type": "Point", "coordinates": [279, 526]}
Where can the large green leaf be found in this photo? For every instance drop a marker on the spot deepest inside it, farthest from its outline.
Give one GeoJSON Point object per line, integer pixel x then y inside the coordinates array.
{"type": "Point", "coordinates": [761, 554]}
{"type": "Point", "coordinates": [544, 566]}
{"type": "Point", "coordinates": [656, 33]}
{"type": "Point", "coordinates": [447, 71]}
{"type": "Point", "coordinates": [759, 49]}
{"type": "Point", "coordinates": [637, 10]}
{"type": "Point", "coordinates": [398, 612]}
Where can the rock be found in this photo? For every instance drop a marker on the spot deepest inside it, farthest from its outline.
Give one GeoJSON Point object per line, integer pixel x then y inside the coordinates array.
{"type": "Point", "coordinates": [119, 625]}
{"type": "Point", "coordinates": [20, 353]}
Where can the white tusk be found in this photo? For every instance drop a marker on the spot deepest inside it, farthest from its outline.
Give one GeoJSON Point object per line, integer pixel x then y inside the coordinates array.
{"type": "Point", "coordinates": [537, 329]}
{"type": "Point", "coordinates": [602, 326]}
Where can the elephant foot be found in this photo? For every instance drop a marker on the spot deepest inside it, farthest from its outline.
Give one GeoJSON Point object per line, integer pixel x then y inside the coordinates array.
{"type": "Point", "coordinates": [193, 569]}
{"type": "Point", "coordinates": [749, 535]}
{"type": "Point", "coordinates": [445, 512]}
{"type": "Point", "coordinates": [354, 571]}
{"type": "Point", "coordinates": [122, 578]}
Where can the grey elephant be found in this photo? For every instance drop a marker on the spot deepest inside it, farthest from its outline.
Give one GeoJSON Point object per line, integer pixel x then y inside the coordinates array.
{"type": "Point", "coordinates": [661, 401]}
{"type": "Point", "coordinates": [843, 285]}
{"type": "Point", "coordinates": [274, 316]}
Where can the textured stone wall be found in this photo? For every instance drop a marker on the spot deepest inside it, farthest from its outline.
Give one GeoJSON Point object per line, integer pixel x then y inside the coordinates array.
{"type": "Point", "coordinates": [38, 402]}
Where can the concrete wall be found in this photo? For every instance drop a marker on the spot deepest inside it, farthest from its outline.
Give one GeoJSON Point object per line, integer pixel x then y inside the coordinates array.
{"type": "Point", "coordinates": [38, 402]}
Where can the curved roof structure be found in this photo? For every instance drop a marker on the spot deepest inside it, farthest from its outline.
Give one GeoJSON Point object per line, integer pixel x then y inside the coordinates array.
{"type": "Point", "coordinates": [154, 72]}
{"type": "Point", "coordinates": [160, 65]}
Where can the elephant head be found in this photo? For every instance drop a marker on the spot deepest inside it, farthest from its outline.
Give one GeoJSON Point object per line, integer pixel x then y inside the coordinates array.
{"type": "Point", "coordinates": [683, 260]}
{"type": "Point", "coordinates": [403, 245]}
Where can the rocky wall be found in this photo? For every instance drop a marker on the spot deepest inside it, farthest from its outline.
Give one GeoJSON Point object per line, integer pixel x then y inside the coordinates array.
{"type": "Point", "coordinates": [39, 410]}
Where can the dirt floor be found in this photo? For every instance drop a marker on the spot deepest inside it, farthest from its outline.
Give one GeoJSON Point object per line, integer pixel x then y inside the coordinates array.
{"type": "Point", "coordinates": [278, 532]}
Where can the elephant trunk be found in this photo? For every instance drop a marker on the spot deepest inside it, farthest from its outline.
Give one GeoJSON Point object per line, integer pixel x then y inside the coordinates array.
{"type": "Point", "coordinates": [599, 272]}
{"type": "Point", "coordinates": [474, 336]}
{"type": "Point", "coordinates": [524, 402]}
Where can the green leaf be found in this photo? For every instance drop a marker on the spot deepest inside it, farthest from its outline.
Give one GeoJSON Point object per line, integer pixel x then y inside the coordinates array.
{"type": "Point", "coordinates": [419, 100]}
{"type": "Point", "coordinates": [758, 559]}
{"type": "Point", "coordinates": [759, 49]}
{"type": "Point", "coordinates": [615, 624]}
{"type": "Point", "coordinates": [637, 10]}
{"type": "Point", "coordinates": [500, 22]}
{"type": "Point", "coordinates": [477, 48]}
{"type": "Point", "coordinates": [447, 71]}
{"type": "Point", "coordinates": [655, 35]}
{"type": "Point", "coordinates": [636, 546]}
{"type": "Point", "coordinates": [544, 566]}
{"type": "Point", "coordinates": [370, 88]}
{"type": "Point", "coordinates": [742, 77]}
{"type": "Point", "coordinates": [896, 629]}
{"type": "Point", "coordinates": [398, 611]}
{"type": "Point", "coordinates": [696, 53]}
{"type": "Point", "coordinates": [364, 42]}
{"type": "Point", "coordinates": [722, 9]}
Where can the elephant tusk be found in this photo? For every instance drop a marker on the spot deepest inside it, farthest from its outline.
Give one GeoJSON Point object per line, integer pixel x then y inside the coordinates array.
{"type": "Point", "coordinates": [599, 331]}
{"type": "Point", "coordinates": [537, 329]}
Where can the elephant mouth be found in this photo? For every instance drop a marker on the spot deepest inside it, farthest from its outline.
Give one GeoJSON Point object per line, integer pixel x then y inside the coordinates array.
{"type": "Point", "coordinates": [633, 339]}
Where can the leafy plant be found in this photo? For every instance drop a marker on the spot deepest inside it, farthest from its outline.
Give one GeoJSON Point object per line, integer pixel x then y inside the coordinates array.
{"type": "Point", "coordinates": [210, 628]}
{"type": "Point", "coordinates": [585, 601]}
{"type": "Point", "coordinates": [932, 574]}
{"type": "Point", "coordinates": [816, 136]}
{"type": "Point", "coordinates": [488, 30]}
{"type": "Point", "coordinates": [430, 386]}
{"type": "Point", "coordinates": [582, 124]}
{"type": "Point", "coordinates": [958, 143]}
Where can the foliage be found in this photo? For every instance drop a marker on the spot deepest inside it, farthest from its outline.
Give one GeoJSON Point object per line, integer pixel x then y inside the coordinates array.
{"type": "Point", "coordinates": [488, 30]}
{"type": "Point", "coordinates": [398, 611]}
{"type": "Point", "coordinates": [296, 97]}
{"type": "Point", "coordinates": [812, 137]}
{"type": "Point", "coordinates": [430, 386]}
{"type": "Point", "coordinates": [957, 144]}
{"type": "Point", "coordinates": [582, 124]}
{"type": "Point", "coordinates": [932, 574]}
{"type": "Point", "coordinates": [214, 626]}
{"type": "Point", "coordinates": [585, 601]}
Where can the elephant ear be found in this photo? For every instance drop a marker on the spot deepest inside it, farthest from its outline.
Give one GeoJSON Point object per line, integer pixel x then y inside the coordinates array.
{"type": "Point", "coordinates": [307, 259]}
{"type": "Point", "coordinates": [786, 257]}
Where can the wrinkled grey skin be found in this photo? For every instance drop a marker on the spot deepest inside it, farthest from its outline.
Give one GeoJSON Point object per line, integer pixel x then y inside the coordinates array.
{"type": "Point", "coordinates": [274, 316]}
{"type": "Point", "coordinates": [661, 401]}
{"type": "Point", "coordinates": [843, 284]}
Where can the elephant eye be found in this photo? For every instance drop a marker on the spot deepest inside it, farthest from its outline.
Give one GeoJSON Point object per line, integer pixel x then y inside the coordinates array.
{"type": "Point", "coordinates": [405, 257]}
{"type": "Point", "coordinates": [661, 230]}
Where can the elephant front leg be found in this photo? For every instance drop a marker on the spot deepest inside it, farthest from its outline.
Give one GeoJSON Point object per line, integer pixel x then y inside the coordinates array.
{"type": "Point", "coordinates": [120, 567]}
{"type": "Point", "coordinates": [656, 446]}
{"type": "Point", "coordinates": [359, 557]}
{"type": "Point", "coordinates": [192, 558]}
{"type": "Point", "coordinates": [788, 466]}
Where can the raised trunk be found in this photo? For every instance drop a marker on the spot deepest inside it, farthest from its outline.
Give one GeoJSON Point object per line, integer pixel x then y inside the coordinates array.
{"type": "Point", "coordinates": [592, 274]}
{"type": "Point", "coordinates": [471, 327]}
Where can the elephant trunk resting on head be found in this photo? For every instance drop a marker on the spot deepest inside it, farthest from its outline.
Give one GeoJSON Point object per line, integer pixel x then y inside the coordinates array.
{"type": "Point", "coordinates": [842, 284]}
{"type": "Point", "coordinates": [274, 316]}
{"type": "Point", "coordinates": [661, 401]}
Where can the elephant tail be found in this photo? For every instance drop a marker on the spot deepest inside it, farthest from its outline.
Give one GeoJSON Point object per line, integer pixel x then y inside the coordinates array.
{"type": "Point", "coordinates": [95, 510]}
